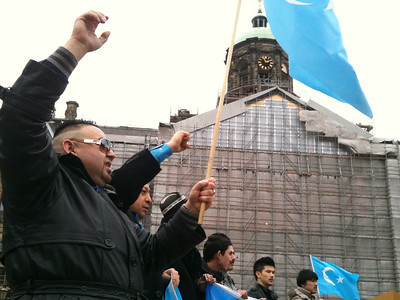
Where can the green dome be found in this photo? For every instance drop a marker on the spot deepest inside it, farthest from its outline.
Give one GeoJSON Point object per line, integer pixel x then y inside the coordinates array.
{"type": "Point", "coordinates": [260, 32]}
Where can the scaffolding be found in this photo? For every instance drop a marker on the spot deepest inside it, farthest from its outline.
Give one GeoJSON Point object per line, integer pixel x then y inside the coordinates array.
{"type": "Point", "coordinates": [285, 192]}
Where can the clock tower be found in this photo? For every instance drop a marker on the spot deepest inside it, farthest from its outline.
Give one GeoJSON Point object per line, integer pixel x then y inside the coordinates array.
{"type": "Point", "coordinates": [258, 62]}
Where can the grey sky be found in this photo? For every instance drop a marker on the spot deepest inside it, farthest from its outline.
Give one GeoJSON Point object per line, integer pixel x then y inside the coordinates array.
{"type": "Point", "coordinates": [166, 55]}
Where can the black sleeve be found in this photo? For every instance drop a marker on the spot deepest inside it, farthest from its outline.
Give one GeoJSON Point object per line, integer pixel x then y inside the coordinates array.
{"type": "Point", "coordinates": [129, 179]}
{"type": "Point", "coordinates": [28, 161]}
{"type": "Point", "coordinates": [171, 241]}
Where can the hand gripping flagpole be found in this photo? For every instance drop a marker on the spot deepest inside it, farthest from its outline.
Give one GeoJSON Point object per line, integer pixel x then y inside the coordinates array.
{"type": "Point", "coordinates": [221, 103]}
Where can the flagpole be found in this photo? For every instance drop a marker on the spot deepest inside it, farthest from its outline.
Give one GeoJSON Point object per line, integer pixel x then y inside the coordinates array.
{"type": "Point", "coordinates": [312, 265]}
{"type": "Point", "coordinates": [219, 111]}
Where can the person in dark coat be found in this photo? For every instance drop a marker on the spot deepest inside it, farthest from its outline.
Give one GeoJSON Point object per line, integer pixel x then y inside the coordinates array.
{"type": "Point", "coordinates": [219, 258]}
{"type": "Point", "coordinates": [264, 272]}
{"type": "Point", "coordinates": [64, 236]}
{"type": "Point", "coordinates": [189, 266]}
{"type": "Point", "coordinates": [155, 283]}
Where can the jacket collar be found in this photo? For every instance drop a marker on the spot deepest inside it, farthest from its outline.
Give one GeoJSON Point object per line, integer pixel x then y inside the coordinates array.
{"type": "Point", "coordinates": [75, 164]}
{"type": "Point", "coordinates": [265, 289]}
{"type": "Point", "coordinates": [219, 276]}
{"type": "Point", "coordinates": [306, 292]}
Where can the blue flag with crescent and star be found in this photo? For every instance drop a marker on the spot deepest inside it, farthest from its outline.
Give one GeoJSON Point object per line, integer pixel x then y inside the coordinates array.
{"type": "Point", "coordinates": [309, 32]}
{"type": "Point", "coordinates": [335, 280]}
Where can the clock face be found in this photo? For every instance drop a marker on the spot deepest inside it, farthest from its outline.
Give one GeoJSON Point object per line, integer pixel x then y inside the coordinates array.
{"type": "Point", "coordinates": [265, 62]}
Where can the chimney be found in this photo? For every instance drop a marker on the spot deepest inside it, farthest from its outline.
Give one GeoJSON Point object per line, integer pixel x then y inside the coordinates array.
{"type": "Point", "coordinates": [71, 111]}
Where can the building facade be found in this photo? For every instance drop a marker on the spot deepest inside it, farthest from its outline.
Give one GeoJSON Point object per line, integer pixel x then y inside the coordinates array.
{"type": "Point", "coordinates": [290, 188]}
{"type": "Point", "coordinates": [293, 178]}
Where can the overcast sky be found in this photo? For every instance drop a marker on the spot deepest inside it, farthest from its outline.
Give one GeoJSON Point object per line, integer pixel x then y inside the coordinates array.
{"type": "Point", "coordinates": [166, 55]}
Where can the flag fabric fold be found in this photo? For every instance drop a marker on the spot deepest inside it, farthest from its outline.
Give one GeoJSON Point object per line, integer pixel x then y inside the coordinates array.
{"type": "Point", "coordinates": [335, 280]}
{"type": "Point", "coordinates": [171, 293]}
{"type": "Point", "coordinates": [218, 291]}
{"type": "Point", "coordinates": [214, 292]}
{"type": "Point", "coordinates": [309, 32]}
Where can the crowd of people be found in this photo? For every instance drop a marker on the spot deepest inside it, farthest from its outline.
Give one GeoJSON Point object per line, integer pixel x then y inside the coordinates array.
{"type": "Point", "coordinates": [193, 271]}
{"type": "Point", "coordinates": [72, 226]}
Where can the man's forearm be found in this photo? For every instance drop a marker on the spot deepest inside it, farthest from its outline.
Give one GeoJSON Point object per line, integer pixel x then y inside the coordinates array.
{"type": "Point", "coordinates": [62, 61]}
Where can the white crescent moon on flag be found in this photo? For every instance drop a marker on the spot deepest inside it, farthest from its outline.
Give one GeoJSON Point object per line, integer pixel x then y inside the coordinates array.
{"type": "Point", "coordinates": [327, 279]}
{"type": "Point", "coordinates": [295, 2]}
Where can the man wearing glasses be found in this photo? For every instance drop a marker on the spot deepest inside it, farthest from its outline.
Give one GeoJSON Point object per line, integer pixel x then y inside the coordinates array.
{"type": "Point", "coordinates": [132, 176]}
{"type": "Point", "coordinates": [64, 237]}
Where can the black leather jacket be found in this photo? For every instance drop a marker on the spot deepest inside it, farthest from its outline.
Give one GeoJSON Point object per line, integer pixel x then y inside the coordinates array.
{"type": "Point", "coordinates": [258, 291]}
{"type": "Point", "coordinates": [58, 226]}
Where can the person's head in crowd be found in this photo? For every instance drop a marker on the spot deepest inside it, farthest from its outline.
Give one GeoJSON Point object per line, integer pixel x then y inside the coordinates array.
{"type": "Point", "coordinates": [142, 204]}
{"type": "Point", "coordinates": [170, 204]}
{"type": "Point", "coordinates": [88, 142]}
{"type": "Point", "coordinates": [307, 279]}
{"type": "Point", "coordinates": [219, 253]}
{"type": "Point", "coordinates": [264, 271]}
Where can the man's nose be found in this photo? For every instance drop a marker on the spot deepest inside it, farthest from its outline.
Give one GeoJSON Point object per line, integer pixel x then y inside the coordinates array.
{"type": "Point", "coordinates": [111, 154]}
{"type": "Point", "coordinates": [148, 199]}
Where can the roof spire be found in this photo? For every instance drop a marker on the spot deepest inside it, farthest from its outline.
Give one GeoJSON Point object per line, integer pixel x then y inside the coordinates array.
{"type": "Point", "coordinates": [260, 20]}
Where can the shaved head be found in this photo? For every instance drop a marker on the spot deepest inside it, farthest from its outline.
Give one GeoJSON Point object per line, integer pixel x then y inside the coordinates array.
{"type": "Point", "coordinates": [68, 130]}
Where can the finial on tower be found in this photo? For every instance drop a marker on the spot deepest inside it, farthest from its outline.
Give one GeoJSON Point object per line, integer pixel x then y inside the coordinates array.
{"type": "Point", "coordinates": [260, 20]}
{"type": "Point", "coordinates": [260, 3]}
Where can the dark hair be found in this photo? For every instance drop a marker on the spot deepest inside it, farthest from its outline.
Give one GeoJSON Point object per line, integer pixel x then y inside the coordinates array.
{"type": "Point", "coordinates": [72, 124]}
{"type": "Point", "coordinates": [216, 242]}
{"type": "Point", "coordinates": [261, 263]}
{"type": "Point", "coordinates": [305, 275]}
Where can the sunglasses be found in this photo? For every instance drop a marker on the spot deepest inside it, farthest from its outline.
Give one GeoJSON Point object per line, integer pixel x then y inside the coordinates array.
{"type": "Point", "coordinates": [103, 143]}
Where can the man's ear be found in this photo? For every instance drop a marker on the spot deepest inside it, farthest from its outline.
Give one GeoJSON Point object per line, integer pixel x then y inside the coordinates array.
{"type": "Point", "coordinates": [218, 254]}
{"type": "Point", "coordinates": [68, 146]}
{"type": "Point", "coordinates": [258, 274]}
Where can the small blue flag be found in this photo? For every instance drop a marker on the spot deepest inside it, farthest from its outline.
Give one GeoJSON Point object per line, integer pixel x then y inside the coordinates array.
{"type": "Point", "coordinates": [217, 291]}
{"type": "Point", "coordinates": [335, 280]}
{"type": "Point", "coordinates": [309, 32]}
{"type": "Point", "coordinates": [171, 293]}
